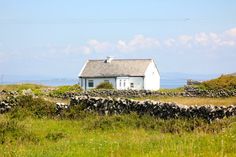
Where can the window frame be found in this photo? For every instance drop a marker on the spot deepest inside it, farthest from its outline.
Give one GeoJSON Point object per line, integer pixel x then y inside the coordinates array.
{"type": "Point", "coordinates": [131, 85]}
{"type": "Point", "coordinates": [89, 83]}
{"type": "Point", "coordinates": [106, 81]}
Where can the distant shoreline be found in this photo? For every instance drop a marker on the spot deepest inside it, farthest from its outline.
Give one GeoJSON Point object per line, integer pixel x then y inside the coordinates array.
{"type": "Point", "coordinates": [168, 80]}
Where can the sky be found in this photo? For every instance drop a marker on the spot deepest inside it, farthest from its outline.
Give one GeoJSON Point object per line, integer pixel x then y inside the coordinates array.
{"type": "Point", "coordinates": [54, 38]}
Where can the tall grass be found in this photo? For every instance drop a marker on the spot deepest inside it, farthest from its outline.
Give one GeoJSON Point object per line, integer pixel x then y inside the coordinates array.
{"type": "Point", "coordinates": [34, 128]}
{"type": "Point", "coordinates": [126, 135]}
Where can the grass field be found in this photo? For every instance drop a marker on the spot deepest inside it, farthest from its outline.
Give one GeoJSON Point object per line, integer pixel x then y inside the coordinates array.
{"type": "Point", "coordinates": [18, 87]}
{"type": "Point", "coordinates": [193, 100]}
{"type": "Point", "coordinates": [32, 129]}
{"type": "Point", "coordinates": [119, 136]}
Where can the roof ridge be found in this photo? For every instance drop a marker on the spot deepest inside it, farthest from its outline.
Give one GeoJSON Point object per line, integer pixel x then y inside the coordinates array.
{"type": "Point", "coordinates": [119, 59]}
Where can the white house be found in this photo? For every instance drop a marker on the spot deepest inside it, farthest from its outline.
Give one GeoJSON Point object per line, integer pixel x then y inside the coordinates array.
{"type": "Point", "coordinates": [121, 73]}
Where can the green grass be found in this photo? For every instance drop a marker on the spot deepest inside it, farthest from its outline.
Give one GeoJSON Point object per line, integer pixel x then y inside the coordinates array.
{"type": "Point", "coordinates": [121, 136]}
{"type": "Point", "coordinates": [33, 129]}
{"type": "Point", "coordinates": [173, 90]}
{"type": "Point", "coordinates": [64, 89]}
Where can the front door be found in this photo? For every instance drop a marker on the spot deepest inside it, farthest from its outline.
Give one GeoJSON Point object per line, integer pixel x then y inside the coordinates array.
{"type": "Point", "coordinates": [123, 83]}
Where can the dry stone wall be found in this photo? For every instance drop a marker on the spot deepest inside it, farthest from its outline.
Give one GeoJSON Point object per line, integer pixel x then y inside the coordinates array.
{"type": "Point", "coordinates": [165, 110]}
{"type": "Point", "coordinates": [188, 92]}
{"type": "Point", "coordinates": [196, 92]}
{"type": "Point", "coordinates": [7, 104]}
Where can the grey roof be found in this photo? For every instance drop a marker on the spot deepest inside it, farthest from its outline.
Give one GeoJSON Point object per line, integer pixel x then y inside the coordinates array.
{"type": "Point", "coordinates": [117, 67]}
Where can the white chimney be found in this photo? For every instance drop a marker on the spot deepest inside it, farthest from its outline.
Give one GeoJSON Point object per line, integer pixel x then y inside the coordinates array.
{"type": "Point", "coordinates": [108, 59]}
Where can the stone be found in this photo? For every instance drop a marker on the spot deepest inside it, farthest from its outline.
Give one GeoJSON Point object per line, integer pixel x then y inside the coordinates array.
{"type": "Point", "coordinates": [158, 109]}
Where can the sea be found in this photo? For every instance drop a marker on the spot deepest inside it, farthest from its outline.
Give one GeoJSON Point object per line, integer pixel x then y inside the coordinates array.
{"type": "Point", "coordinates": [168, 80]}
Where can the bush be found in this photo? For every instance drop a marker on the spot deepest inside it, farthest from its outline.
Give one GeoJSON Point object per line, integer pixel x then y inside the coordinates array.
{"type": "Point", "coordinates": [38, 92]}
{"type": "Point", "coordinates": [61, 90]}
{"type": "Point", "coordinates": [75, 112]}
{"type": "Point", "coordinates": [29, 106]}
{"type": "Point", "coordinates": [104, 85]}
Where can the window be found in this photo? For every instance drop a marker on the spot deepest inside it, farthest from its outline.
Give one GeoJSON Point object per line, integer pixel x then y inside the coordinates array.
{"type": "Point", "coordinates": [90, 83]}
{"type": "Point", "coordinates": [106, 81]}
{"type": "Point", "coordinates": [124, 83]}
{"type": "Point", "coordinates": [120, 83]}
{"type": "Point", "coordinates": [131, 85]}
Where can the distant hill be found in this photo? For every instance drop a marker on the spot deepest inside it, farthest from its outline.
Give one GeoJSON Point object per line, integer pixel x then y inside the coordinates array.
{"type": "Point", "coordinates": [223, 82]}
{"type": "Point", "coordinates": [233, 74]}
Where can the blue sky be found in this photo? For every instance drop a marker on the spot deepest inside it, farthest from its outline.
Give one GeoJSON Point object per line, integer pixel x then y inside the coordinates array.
{"type": "Point", "coordinates": [54, 38]}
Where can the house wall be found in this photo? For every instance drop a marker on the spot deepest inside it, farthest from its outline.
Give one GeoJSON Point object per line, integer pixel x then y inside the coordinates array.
{"type": "Point", "coordinates": [125, 83]}
{"type": "Point", "coordinates": [152, 78]}
{"type": "Point", "coordinates": [82, 82]}
{"type": "Point", "coordinates": [118, 83]}
{"type": "Point", "coordinates": [96, 81]}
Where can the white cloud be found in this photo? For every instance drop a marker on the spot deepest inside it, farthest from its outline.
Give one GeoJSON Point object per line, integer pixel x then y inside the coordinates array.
{"type": "Point", "coordinates": [99, 46]}
{"type": "Point", "coordinates": [143, 43]}
{"type": "Point", "coordinates": [121, 45]}
{"type": "Point", "coordinates": [185, 39]}
{"type": "Point", "coordinates": [170, 42]}
{"type": "Point", "coordinates": [201, 38]}
{"type": "Point", "coordinates": [199, 41]}
{"type": "Point", "coordinates": [231, 32]}
{"type": "Point", "coordinates": [228, 43]}
{"type": "Point", "coordinates": [215, 38]}
{"type": "Point", "coordinates": [139, 42]}
{"type": "Point", "coordinates": [85, 49]}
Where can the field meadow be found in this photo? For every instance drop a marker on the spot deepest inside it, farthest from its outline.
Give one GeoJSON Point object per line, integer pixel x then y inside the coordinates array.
{"type": "Point", "coordinates": [125, 135]}
{"type": "Point", "coordinates": [32, 129]}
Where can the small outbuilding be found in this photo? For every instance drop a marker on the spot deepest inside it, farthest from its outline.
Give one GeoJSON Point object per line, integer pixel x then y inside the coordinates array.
{"type": "Point", "coordinates": [123, 74]}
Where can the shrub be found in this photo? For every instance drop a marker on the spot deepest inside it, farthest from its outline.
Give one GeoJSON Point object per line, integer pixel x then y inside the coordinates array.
{"type": "Point", "coordinates": [74, 112]}
{"type": "Point", "coordinates": [61, 90]}
{"type": "Point", "coordinates": [37, 107]}
{"type": "Point", "coordinates": [38, 92]}
{"type": "Point", "coordinates": [104, 85]}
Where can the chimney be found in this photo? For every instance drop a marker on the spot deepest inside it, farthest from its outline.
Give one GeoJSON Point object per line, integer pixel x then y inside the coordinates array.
{"type": "Point", "coordinates": [108, 59]}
